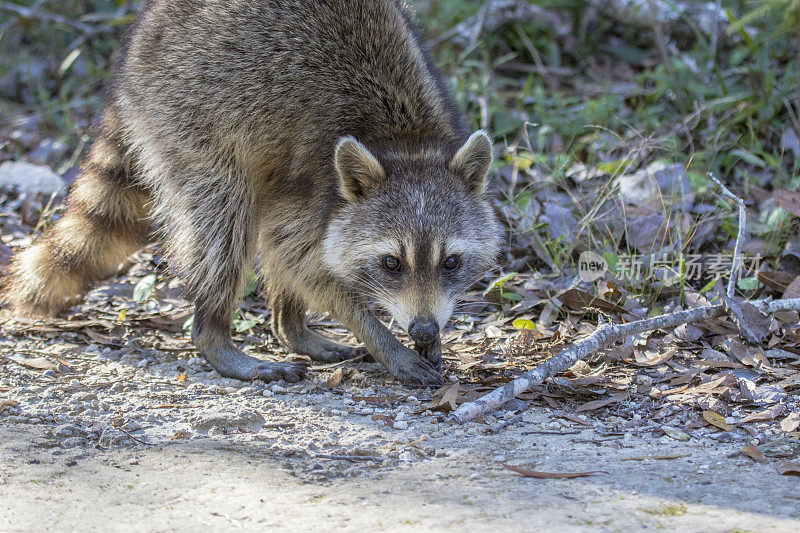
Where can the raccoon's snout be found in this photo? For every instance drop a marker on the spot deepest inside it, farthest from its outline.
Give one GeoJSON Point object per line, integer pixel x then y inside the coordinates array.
{"type": "Point", "coordinates": [423, 331]}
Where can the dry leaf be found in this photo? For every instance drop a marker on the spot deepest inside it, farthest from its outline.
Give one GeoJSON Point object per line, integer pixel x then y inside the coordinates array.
{"type": "Point", "coordinates": [676, 434]}
{"type": "Point", "coordinates": [770, 413]}
{"type": "Point", "coordinates": [7, 404]}
{"type": "Point", "coordinates": [753, 326]}
{"type": "Point", "coordinates": [580, 300]}
{"type": "Point", "coordinates": [789, 469]}
{"type": "Point", "coordinates": [573, 418]}
{"type": "Point", "coordinates": [550, 475]}
{"type": "Point", "coordinates": [385, 401]}
{"type": "Point", "coordinates": [754, 453]}
{"type": "Point", "coordinates": [100, 338]}
{"type": "Point", "coordinates": [447, 402]}
{"type": "Point", "coordinates": [777, 281]}
{"type": "Point", "coordinates": [388, 420]}
{"type": "Point", "coordinates": [180, 434]}
{"type": "Point", "coordinates": [39, 363]}
{"type": "Point", "coordinates": [335, 379]}
{"type": "Point", "coordinates": [791, 422]}
{"type": "Point", "coordinates": [717, 420]}
{"type": "Point", "coordinates": [181, 377]}
{"type": "Point", "coordinates": [597, 404]}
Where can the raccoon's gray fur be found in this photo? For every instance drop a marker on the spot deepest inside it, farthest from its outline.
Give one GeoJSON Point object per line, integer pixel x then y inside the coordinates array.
{"type": "Point", "coordinates": [314, 134]}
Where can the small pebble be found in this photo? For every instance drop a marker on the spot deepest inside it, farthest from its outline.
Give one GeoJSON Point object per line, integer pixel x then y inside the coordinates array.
{"type": "Point", "coordinates": [400, 424]}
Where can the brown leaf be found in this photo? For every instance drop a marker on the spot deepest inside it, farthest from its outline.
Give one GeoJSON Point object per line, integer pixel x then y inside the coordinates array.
{"type": "Point", "coordinates": [7, 404]}
{"type": "Point", "coordinates": [180, 434]}
{"type": "Point", "coordinates": [386, 400]}
{"type": "Point", "coordinates": [771, 413]}
{"type": "Point", "coordinates": [777, 281]}
{"type": "Point", "coordinates": [388, 420]}
{"type": "Point", "coordinates": [573, 418]}
{"type": "Point", "coordinates": [752, 325]}
{"type": "Point", "coordinates": [580, 300]}
{"type": "Point", "coordinates": [789, 469]}
{"type": "Point", "coordinates": [597, 404]}
{"type": "Point", "coordinates": [653, 358]}
{"type": "Point", "coordinates": [717, 420]}
{"type": "Point", "coordinates": [448, 396]}
{"type": "Point", "coordinates": [100, 338]}
{"type": "Point", "coordinates": [754, 453]}
{"type": "Point", "coordinates": [335, 379]}
{"type": "Point", "coordinates": [39, 363]}
{"type": "Point", "coordinates": [676, 434]}
{"type": "Point", "coordinates": [791, 422]}
{"type": "Point", "coordinates": [550, 475]}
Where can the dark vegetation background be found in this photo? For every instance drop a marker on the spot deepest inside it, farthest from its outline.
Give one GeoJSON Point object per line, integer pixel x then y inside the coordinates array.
{"type": "Point", "coordinates": [580, 95]}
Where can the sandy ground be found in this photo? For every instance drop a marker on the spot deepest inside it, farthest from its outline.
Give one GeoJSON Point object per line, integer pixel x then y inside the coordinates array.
{"type": "Point", "coordinates": [253, 459]}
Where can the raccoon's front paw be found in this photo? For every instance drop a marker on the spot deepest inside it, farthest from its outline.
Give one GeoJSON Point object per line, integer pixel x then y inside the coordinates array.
{"type": "Point", "coordinates": [414, 371]}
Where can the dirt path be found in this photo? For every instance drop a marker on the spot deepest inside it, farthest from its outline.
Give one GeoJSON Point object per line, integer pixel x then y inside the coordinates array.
{"type": "Point", "coordinates": [269, 479]}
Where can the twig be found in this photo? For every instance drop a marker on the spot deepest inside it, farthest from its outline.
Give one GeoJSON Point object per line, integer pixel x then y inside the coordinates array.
{"type": "Point", "coordinates": [737, 250]}
{"type": "Point", "coordinates": [140, 441]}
{"type": "Point", "coordinates": [353, 458]}
{"type": "Point", "coordinates": [355, 359]}
{"type": "Point", "coordinates": [279, 425]}
{"type": "Point", "coordinates": [603, 337]}
{"type": "Point", "coordinates": [607, 334]}
{"type": "Point", "coordinates": [500, 426]}
{"type": "Point", "coordinates": [551, 432]}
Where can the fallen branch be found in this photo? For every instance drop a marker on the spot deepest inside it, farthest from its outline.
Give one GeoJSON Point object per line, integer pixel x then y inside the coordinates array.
{"type": "Point", "coordinates": [608, 334]}
{"type": "Point", "coordinates": [605, 336]}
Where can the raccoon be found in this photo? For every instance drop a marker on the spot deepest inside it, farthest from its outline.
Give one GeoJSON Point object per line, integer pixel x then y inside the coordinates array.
{"type": "Point", "coordinates": [313, 135]}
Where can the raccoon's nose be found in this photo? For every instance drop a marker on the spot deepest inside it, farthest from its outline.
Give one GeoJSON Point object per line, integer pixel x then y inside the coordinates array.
{"type": "Point", "coordinates": [423, 330]}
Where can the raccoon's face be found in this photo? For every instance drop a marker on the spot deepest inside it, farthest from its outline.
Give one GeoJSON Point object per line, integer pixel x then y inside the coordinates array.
{"type": "Point", "coordinates": [416, 231]}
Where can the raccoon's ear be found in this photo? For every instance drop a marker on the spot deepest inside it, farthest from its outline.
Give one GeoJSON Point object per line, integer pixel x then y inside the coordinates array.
{"type": "Point", "coordinates": [472, 162]}
{"type": "Point", "coordinates": [359, 171]}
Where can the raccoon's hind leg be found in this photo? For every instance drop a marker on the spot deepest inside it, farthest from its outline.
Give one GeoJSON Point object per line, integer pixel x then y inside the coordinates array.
{"type": "Point", "coordinates": [107, 220]}
{"type": "Point", "coordinates": [211, 236]}
{"type": "Point", "coordinates": [289, 325]}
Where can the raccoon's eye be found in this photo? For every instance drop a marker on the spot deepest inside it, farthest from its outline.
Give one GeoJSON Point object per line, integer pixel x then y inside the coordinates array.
{"type": "Point", "coordinates": [452, 263]}
{"type": "Point", "coordinates": [391, 263]}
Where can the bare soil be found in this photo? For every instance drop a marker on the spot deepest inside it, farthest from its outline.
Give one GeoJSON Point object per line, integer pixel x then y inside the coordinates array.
{"type": "Point", "coordinates": [158, 442]}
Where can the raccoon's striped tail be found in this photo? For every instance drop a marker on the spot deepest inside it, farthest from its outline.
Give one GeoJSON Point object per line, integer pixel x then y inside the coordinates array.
{"type": "Point", "coordinates": [107, 220]}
